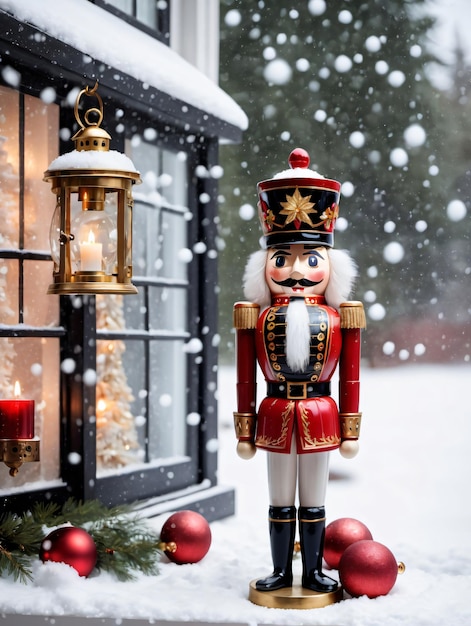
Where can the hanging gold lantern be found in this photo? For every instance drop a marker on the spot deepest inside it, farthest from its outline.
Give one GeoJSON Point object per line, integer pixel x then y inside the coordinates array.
{"type": "Point", "coordinates": [91, 230]}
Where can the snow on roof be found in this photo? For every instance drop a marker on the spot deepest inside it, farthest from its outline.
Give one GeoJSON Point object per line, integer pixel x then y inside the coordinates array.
{"type": "Point", "coordinates": [103, 36]}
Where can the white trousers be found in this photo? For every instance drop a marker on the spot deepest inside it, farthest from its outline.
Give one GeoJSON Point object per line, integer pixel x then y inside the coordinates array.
{"type": "Point", "coordinates": [310, 472]}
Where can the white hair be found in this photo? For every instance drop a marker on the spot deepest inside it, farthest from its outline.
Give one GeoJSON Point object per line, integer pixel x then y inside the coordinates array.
{"type": "Point", "coordinates": [343, 272]}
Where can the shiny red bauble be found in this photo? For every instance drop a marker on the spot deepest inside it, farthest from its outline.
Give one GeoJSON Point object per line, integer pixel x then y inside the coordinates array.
{"type": "Point", "coordinates": [368, 568]}
{"type": "Point", "coordinates": [185, 537]}
{"type": "Point", "coordinates": [339, 535]}
{"type": "Point", "coordinates": [72, 546]}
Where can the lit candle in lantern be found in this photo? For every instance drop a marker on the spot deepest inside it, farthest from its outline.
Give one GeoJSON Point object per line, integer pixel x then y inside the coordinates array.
{"type": "Point", "coordinates": [17, 417]}
{"type": "Point", "coordinates": [91, 254]}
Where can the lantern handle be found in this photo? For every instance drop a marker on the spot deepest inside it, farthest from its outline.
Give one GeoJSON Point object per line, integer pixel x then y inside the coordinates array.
{"type": "Point", "coordinates": [89, 92]}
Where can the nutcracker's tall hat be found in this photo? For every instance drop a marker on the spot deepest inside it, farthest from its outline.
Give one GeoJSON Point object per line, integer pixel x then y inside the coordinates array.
{"type": "Point", "coordinates": [298, 205]}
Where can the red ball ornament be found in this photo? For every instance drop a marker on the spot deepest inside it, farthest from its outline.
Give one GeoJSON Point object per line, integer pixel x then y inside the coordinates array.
{"type": "Point", "coordinates": [339, 535]}
{"type": "Point", "coordinates": [72, 546]}
{"type": "Point", "coordinates": [185, 537]}
{"type": "Point", "coordinates": [368, 568]}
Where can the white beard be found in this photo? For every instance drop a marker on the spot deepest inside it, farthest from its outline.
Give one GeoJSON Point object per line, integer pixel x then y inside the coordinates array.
{"type": "Point", "coordinates": [298, 336]}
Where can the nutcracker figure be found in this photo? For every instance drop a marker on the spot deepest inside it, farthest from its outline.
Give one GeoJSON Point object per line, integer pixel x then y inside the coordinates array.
{"type": "Point", "coordinates": [298, 325]}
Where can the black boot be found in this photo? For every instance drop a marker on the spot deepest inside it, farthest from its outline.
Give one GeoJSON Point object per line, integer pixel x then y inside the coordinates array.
{"type": "Point", "coordinates": [311, 532]}
{"type": "Point", "coordinates": [282, 524]}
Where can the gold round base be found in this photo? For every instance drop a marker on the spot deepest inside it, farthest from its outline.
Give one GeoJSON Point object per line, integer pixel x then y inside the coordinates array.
{"type": "Point", "coordinates": [295, 597]}
{"type": "Point", "coordinates": [91, 288]}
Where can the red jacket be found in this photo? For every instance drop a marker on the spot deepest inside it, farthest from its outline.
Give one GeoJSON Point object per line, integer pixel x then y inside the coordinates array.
{"type": "Point", "coordinates": [298, 400]}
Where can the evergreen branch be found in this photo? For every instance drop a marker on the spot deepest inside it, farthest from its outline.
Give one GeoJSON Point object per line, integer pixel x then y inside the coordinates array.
{"type": "Point", "coordinates": [44, 512]}
{"type": "Point", "coordinates": [124, 542]}
{"type": "Point", "coordinates": [20, 537]}
{"type": "Point", "coordinates": [22, 533]}
{"type": "Point", "coordinates": [15, 564]}
{"type": "Point", "coordinates": [75, 512]}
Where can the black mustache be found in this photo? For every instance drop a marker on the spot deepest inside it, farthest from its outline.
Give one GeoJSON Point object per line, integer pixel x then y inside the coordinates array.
{"type": "Point", "coordinates": [291, 282]}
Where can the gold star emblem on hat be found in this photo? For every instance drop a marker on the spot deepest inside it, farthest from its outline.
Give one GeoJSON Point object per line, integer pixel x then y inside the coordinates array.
{"type": "Point", "coordinates": [297, 209]}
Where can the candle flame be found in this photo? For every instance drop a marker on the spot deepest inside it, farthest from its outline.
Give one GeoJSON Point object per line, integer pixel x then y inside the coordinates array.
{"type": "Point", "coordinates": [17, 389]}
{"type": "Point", "coordinates": [91, 236]}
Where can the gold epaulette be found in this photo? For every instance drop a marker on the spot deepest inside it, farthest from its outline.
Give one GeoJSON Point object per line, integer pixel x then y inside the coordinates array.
{"type": "Point", "coordinates": [352, 315]}
{"type": "Point", "coordinates": [245, 315]}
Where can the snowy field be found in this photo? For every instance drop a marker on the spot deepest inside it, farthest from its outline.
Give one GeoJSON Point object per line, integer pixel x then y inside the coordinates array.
{"type": "Point", "coordinates": [409, 485]}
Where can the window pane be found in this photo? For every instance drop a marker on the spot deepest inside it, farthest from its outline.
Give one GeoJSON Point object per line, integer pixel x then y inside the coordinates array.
{"type": "Point", "coordinates": [9, 305]}
{"type": "Point", "coordinates": [39, 309]}
{"type": "Point", "coordinates": [167, 399]}
{"type": "Point", "coordinates": [117, 434]}
{"type": "Point", "coordinates": [9, 168]}
{"type": "Point", "coordinates": [168, 310]}
{"type": "Point", "coordinates": [146, 12]}
{"type": "Point", "coordinates": [135, 310]}
{"type": "Point", "coordinates": [146, 238]}
{"type": "Point", "coordinates": [41, 147]}
{"type": "Point", "coordinates": [135, 367]}
{"type": "Point", "coordinates": [173, 254]}
{"type": "Point", "coordinates": [173, 179]}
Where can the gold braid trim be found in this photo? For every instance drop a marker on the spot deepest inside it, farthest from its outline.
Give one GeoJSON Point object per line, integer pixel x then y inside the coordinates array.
{"type": "Point", "coordinates": [245, 315]}
{"type": "Point", "coordinates": [352, 315]}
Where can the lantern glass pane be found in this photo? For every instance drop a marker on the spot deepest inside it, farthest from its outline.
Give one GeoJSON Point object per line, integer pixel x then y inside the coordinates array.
{"type": "Point", "coordinates": [94, 246]}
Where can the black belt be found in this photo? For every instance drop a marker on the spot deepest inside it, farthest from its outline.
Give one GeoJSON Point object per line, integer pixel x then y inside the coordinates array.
{"type": "Point", "coordinates": [298, 391]}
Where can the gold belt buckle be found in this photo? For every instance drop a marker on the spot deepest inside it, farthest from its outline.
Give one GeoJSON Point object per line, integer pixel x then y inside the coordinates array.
{"type": "Point", "coordinates": [297, 391]}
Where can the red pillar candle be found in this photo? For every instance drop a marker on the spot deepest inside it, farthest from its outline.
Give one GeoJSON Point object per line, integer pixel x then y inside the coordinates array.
{"type": "Point", "coordinates": [17, 417]}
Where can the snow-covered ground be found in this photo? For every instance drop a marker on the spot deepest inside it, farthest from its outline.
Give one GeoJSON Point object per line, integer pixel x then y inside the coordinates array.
{"type": "Point", "coordinates": [409, 485]}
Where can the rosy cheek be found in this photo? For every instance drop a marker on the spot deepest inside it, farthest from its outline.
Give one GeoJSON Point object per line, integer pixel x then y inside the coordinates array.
{"type": "Point", "coordinates": [316, 274]}
{"type": "Point", "coordinates": [276, 273]}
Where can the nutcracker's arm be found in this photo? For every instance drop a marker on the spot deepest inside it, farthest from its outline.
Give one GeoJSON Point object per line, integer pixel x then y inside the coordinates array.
{"type": "Point", "coordinates": [352, 321]}
{"type": "Point", "coordinates": [245, 323]}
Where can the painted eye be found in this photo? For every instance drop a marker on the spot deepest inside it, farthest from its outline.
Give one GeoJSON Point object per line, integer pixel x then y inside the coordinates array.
{"type": "Point", "coordinates": [280, 261]}
{"type": "Point", "coordinates": [313, 261]}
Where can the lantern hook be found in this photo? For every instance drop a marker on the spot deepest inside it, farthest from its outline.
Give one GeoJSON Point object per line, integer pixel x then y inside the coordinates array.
{"type": "Point", "coordinates": [93, 91]}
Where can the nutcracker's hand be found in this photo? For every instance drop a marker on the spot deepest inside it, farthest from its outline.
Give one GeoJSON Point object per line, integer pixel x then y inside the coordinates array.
{"type": "Point", "coordinates": [244, 424]}
{"type": "Point", "coordinates": [246, 450]}
{"type": "Point", "coordinates": [349, 448]}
